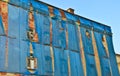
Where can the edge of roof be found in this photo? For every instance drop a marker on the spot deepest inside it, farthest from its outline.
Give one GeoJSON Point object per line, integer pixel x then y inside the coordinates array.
{"type": "Point", "coordinates": [71, 13]}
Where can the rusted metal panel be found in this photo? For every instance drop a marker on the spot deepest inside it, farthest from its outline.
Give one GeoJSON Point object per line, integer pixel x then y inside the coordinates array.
{"type": "Point", "coordinates": [40, 39]}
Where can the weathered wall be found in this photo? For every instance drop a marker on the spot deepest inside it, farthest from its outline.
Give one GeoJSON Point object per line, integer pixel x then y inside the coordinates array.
{"type": "Point", "coordinates": [61, 43]}
{"type": "Point", "coordinates": [118, 61]}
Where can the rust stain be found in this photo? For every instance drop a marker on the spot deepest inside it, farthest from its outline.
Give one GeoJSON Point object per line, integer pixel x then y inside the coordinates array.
{"type": "Point", "coordinates": [0, 8]}
{"type": "Point", "coordinates": [66, 39]}
{"type": "Point", "coordinates": [82, 52]}
{"type": "Point", "coordinates": [104, 42]}
{"type": "Point", "coordinates": [4, 15]}
{"type": "Point", "coordinates": [32, 26]}
{"type": "Point", "coordinates": [51, 13]}
{"type": "Point", "coordinates": [31, 20]}
{"type": "Point", "coordinates": [51, 33]}
{"type": "Point", "coordinates": [77, 22]}
{"type": "Point", "coordinates": [63, 15]}
{"type": "Point", "coordinates": [97, 60]}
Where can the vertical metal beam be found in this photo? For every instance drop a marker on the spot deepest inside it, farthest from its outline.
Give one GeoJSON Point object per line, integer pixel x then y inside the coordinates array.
{"type": "Point", "coordinates": [97, 60]}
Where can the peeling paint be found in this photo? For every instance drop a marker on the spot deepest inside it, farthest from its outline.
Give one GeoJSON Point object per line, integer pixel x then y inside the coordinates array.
{"type": "Point", "coordinates": [32, 26]}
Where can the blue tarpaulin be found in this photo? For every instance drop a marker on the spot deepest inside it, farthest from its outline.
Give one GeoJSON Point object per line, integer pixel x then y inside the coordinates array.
{"type": "Point", "coordinates": [59, 49]}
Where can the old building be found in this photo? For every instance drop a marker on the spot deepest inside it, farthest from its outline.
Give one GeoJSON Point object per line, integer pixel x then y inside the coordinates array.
{"type": "Point", "coordinates": [42, 40]}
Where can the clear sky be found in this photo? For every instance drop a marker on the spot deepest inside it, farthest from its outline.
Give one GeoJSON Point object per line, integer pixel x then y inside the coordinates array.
{"type": "Point", "coordinates": [103, 11]}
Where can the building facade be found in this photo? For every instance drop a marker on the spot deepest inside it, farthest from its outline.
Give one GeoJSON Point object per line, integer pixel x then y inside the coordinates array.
{"type": "Point", "coordinates": [39, 39]}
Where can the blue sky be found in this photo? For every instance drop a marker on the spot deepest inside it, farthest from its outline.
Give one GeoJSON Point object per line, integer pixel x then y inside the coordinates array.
{"type": "Point", "coordinates": [103, 11]}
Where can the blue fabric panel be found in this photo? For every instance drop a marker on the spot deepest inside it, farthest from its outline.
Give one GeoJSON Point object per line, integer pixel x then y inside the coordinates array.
{"type": "Point", "coordinates": [98, 26]}
{"type": "Point", "coordinates": [24, 52]}
{"type": "Point", "coordinates": [108, 29]}
{"type": "Point", "coordinates": [39, 24]}
{"type": "Point", "coordinates": [44, 59]}
{"type": "Point", "coordinates": [60, 62]}
{"type": "Point", "coordinates": [15, 2]}
{"type": "Point", "coordinates": [2, 53]}
{"type": "Point", "coordinates": [42, 24]}
{"type": "Point", "coordinates": [56, 12]}
{"type": "Point", "coordinates": [104, 62]}
{"type": "Point", "coordinates": [75, 64]}
{"type": "Point", "coordinates": [58, 33]}
{"type": "Point", "coordinates": [22, 3]}
{"type": "Point", "coordinates": [112, 56]}
{"type": "Point", "coordinates": [25, 3]}
{"type": "Point", "coordinates": [13, 21]}
{"type": "Point", "coordinates": [46, 30]}
{"type": "Point", "coordinates": [91, 66]}
{"type": "Point", "coordinates": [70, 16]}
{"type": "Point", "coordinates": [40, 7]}
{"type": "Point", "coordinates": [1, 27]}
{"type": "Point", "coordinates": [87, 42]}
{"type": "Point", "coordinates": [100, 47]}
{"type": "Point", "coordinates": [85, 21]}
{"type": "Point", "coordinates": [105, 67]}
{"type": "Point", "coordinates": [23, 24]}
{"type": "Point", "coordinates": [72, 37]}
{"type": "Point", "coordinates": [13, 55]}
{"type": "Point", "coordinates": [38, 50]}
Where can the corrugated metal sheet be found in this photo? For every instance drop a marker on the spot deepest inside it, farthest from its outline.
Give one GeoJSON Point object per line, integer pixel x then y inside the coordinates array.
{"type": "Point", "coordinates": [62, 43]}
